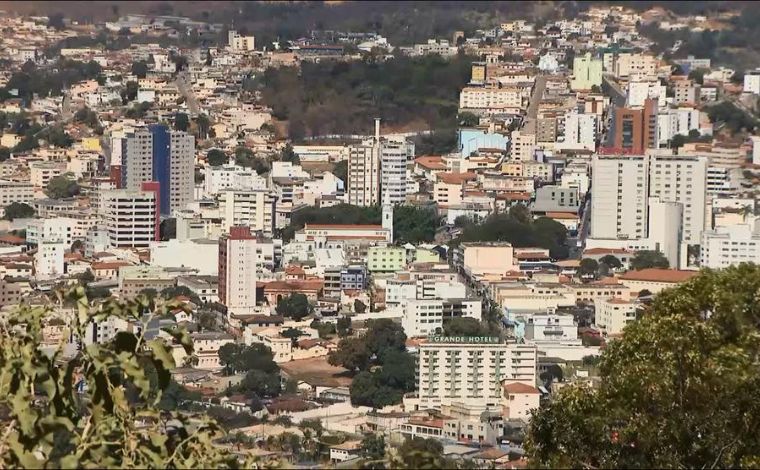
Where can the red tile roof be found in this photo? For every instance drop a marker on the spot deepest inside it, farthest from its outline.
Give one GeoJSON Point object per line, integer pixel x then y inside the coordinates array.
{"type": "Point", "coordinates": [456, 178]}
{"type": "Point", "coordinates": [518, 387]}
{"type": "Point", "coordinates": [431, 162]}
{"type": "Point", "coordinates": [659, 275]}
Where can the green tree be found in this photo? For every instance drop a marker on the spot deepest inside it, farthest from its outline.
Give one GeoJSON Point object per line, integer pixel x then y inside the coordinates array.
{"type": "Point", "coordinates": [98, 408]}
{"type": "Point", "coordinates": [180, 291]}
{"type": "Point", "coordinates": [466, 119]}
{"type": "Point", "coordinates": [56, 21]}
{"type": "Point", "coordinates": [465, 326]}
{"type": "Point", "coordinates": [611, 261]}
{"type": "Point", "coordinates": [260, 383]}
{"type": "Point", "coordinates": [359, 306]}
{"type": "Point", "coordinates": [645, 259]}
{"type": "Point", "coordinates": [181, 122]}
{"type": "Point", "coordinates": [140, 69]}
{"type": "Point", "coordinates": [343, 326]}
{"type": "Point", "coordinates": [417, 452]}
{"type": "Point", "coordinates": [373, 447]}
{"type": "Point", "coordinates": [588, 267]}
{"type": "Point", "coordinates": [167, 229]}
{"type": "Point", "coordinates": [352, 353]}
{"type": "Point", "coordinates": [62, 186]}
{"type": "Point", "coordinates": [216, 157]}
{"type": "Point", "coordinates": [677, 390]}
{"type": "Point", "coordinates": [288, 155]}
{"type": "Point", "coordinates": [295, 306]}
{"type": "Point", "coordinates": [413, 224]}
{"type": "Point", "coordinates": [341, 171]}
{"type": "Point", "coordinates": [18, 210]}
{"type": "Point", "coordinates": [130, 92]}
{"type": "Point", "coordinates": [521, 213]}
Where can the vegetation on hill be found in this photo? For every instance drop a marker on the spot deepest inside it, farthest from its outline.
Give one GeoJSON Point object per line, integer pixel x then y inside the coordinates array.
{"type": "Point", "coordinates": [520, 232]}
{"type": "Point", "coordinates": [679, 390]}
{"type": "Point", "coordinates": [410, 224]}
{"type": "Point", "coordinates": [344, 97]}
{"type": "Point", "coordinates": [31, 80]}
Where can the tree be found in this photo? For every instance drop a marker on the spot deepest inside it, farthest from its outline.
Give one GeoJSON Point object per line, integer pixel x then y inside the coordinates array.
{"type": "Point", "coordinates": [295, 306]}
{"type": "Point", "coordinates": [167, 229]}
{"type": "Point", "coordinates": [352, 353]}
{"type": "Point", "coordinates": [645, 259]}
{"type": "Point", "coordinates": [77, 246]}
{"type": "Point", "coordinates": [384, 336]}
{"type": "Point", "coordinates": [359, 306]}
{"type": "Point", "coordinates": [417, 452]}
{"type": "Point", "coordinates": [373, 447]}
{"type": "Point", "coordinates": [697, 75]}
{"type": "Point", "coordinates": [236, 358]}
{"type": "Point", "coordinates": [203, 125]}
{"type": "Point", "coordinates": [216, 157]}
{"type": "Point", "coordinates": [611, 261]}
{"type": "Point", "coordinates": [62, 186]}
{"type": "Point", "coordinates": [465, 326]}
{"type": "Point", "coordinates": [288, 155]}
{"type": "Point", "coordinates": [130, 92]}
{"type": "Point", "coordinates": [56, 21]}
{"type": "Point", "coordinates": [521, 213]}
{"type": "Point", "coordinates": [341, 171]}
{"type": "Point", "coordinates": [181, 291]}
{"type": "Point", "coordinates": [260, 383]}
{"type": "Point", "coordinates": [139, 69]}
{"type": "Point", "coordinates": [413, 224]}
{"type": "Point", "coordinates": [181, 122]}
{"type": "Point", "coordinates": [677, 390]}
{"type": "Point", "coordinates": [466, 119]}
{"type": "Point", "coordinates": [18, 210]}
{"type": "Point", "coordinates": [98, 408]}
{"type": "Point", "coordinates": [343, 326]}
{"type": "Point", "coordinates": [588, 267]}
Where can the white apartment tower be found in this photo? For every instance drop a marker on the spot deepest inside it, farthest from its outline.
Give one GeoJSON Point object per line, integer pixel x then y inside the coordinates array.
{"type": "Point", "coordinates": [620, 192]}
{"type": "Point", "coordinates": [130, 217]}
{"type": "Point", "coordinates": [252, 208]}
{"type": "Point", "coordinates": [681, 179]}
{"type": "Point", "coordinates": [471, 369]}
{"type": "Point", "coordinates": [238, 271]}
{"type": "Point", "coordinates": [48, 261]}
{"type": "Point", "coordinates": [377, 170]}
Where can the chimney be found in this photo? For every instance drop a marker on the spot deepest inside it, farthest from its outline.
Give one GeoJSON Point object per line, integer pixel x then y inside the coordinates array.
{"type": "Point", "coordinates": [377, 129]}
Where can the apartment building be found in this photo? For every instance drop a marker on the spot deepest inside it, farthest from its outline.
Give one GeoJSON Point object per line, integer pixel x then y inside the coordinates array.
{"type": "Point", "coordinates": [40, 173]}
{"type": "Point", "coordinates": [130, 217]}
{"type": "Point", "coordinates": [730, 245]}
{"type": "Point", "coordinates": [15, 191]}
{"type": "Point", "coordinates": [219, 178]}
{"type": "Point", "coordinates": [491, 98]}
{"type": "Point", "coordinates": [471, 369]}
{"type": "Point", "coordinates": [252, 208]}
{"type": "Point", "coordinates": [422, 317]}
{"type": "Point", "coordinates": [156, 153]}
{"type": "Point", "coordinates": [53, 229]}
{"type": "Point", "coordinates": [477, 259]}
{"type": "Point", "coordinates": [613, 314]}
{"type": "Point", "coordinates": [579, 132]}
{"type": "Point", "coordinates": [237, 271]}
{"type": "Point", "coordinates": [587, 73]}
{"type": "Point", "coordinates": [386, 259]}
{"type": "Point", "coordinates": [635, 128]}
{"type": "Point", "coordinates": [48, 261]}
{"type": "Point", "coordinates": [683, 180]}
{"type": "Point", "coordinates": [619, 206]}
{"type": "Point", "coordinates": [630, 65]}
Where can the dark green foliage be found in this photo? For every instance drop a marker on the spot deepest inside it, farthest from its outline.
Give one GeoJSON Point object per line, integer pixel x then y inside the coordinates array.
{"type": "Point", "coordinates": [261, 384]}
{"type": "Point", "coordinates": [678, 390]}
{"type": "Point", "coordinates": [181, 291]}
{"type": "Point", "coordinates": [18, 210]}
{"type": "Point", "coordinates": [413, 224]}
{"type": "Point", "coordinates": [216, 157]}
{"type": "Point", "coordinates": [237, 358]}
{"type": "Point", "coordinates": [138, 110]}
{"type": "Point", "coordinates": [733, 117]}
{"type": "Point", "coordinates": [167, 229]}
{"type": "Point", "coordinates": [344, 97]}
{"type": "Point", "coordinates": [244, 157]}
{"type": "Point", "coordinates": [542, 232]}
{"type": "Point", "coordinates": [611, 261]}
{"type": "Point", "coordinates": [181, 122]}
{"type": "Point", "coordinates": [295, 306]}
{"type": "Point", "coordinates": [61, 187]}
{"type": "Point", "coordinates": [438, 142]}
{"type": "Point", "coordinates": [464, 326]}
{"type": "Point", "coordinates": [288, 155]}
{"type": "Point", "coordinates": [139, 69]}
{"type": "Point", "coordinates": [343, 327]}
{"type": "Point", "coordinates": [89, 117]}
{"type": "Point", "coordinates": [373, 447]}
{"type": "Point", "coordinates": [341, 171]}
{"type": "Point", "coordinates": [649, 259]}
{"type": "Point", "coordinates": [588, 267]}
{"type": "Point", "coordinates": [359, 306]}
{"type": "Point", "coordinates": [417, 452]}
{"type": "Point", "coordinates": [50, 81]}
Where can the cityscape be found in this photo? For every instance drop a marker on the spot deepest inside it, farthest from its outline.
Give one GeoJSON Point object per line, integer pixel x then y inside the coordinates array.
{"type": "Point", "coordinates": [379, 235]}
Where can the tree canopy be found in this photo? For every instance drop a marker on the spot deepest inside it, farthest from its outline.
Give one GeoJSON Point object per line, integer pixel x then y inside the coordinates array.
{"type": "Point", "coordinates": [645, 259]}
{"type": "Point", "coordinates": [100, 407]}
{"type": "Point", "coordinates": [217, 157]}
{"type": "Point", "coordinates": [18, 210]}
{"type": "Point", "coordinates": [679, 389]}
{"type": "Point", "coordinates": [62, 186]}
{"type": "Point", "coordinates": [295, 306]}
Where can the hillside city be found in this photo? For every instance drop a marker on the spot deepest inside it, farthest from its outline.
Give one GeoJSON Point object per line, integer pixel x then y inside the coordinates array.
{"type": "Point", "coordinates": [349, 250]}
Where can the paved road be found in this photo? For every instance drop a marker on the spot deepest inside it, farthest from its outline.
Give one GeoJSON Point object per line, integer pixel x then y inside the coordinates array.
{"type": "Point", "coordinates": [535, 99]}
{"type": "Point", "coordinates": [187, 92]}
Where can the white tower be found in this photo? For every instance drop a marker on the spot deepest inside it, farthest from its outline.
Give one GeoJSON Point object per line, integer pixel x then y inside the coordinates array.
{"type": "Point", "coordinates": [388, 218]}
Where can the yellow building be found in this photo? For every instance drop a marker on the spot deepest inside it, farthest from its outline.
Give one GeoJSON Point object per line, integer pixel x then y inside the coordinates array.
{"type": "Point", "coordinates": [91, 144]}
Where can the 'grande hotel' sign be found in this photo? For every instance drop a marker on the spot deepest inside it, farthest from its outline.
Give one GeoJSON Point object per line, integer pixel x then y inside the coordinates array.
{"type": "Point", "coordinates": [465, 339]}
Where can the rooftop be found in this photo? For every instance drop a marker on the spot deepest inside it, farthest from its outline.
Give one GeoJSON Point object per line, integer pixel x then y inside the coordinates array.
{"type": "Point", "coordinates": [659, 275]}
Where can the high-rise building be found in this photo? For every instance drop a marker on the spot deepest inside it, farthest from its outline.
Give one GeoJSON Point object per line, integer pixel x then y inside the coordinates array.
{"type": "Point", "coordinates": [471, 369]}
{"type": "Point", "coordinates": [619, 205]}
{"type": "Point", "coordinates": [636, 128]}
{"type": "Point", "coordinates": [156, 153]}
{"type": "Point", "coordinates": [131, 218]}
{"type": "Point", "coordinates": [252, 208]}
{"type": "Point", "coordinates": [377, 170]}
{"type": "Point", "coordinates": [580, 131]}
{"type": "Point", "coordinates": [237, 270]}
{"type": "Point", "coordinates": [48, 261]}
{"type": "Point", "coordinates": [681, 179]}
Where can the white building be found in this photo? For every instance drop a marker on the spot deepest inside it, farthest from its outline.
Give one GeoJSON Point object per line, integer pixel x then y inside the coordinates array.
{"type": "Point", "coordinates": [224, 177]}
{"type": "Point", "coordinates": [731, 245]}
{"type": "Point", "coordinates": [471, 369]}
{"type": "Point", "coordinates": [640, 91]}
{"type": "Point", "coordinates": [752, 82]}
{"type": "Point", "coordinates": [664, 228]}
{"type": "Point", "coordinates": [252, 208]}
{"type": "Point", "coordinates": [675, 121]}
{"type": "Point", "coordinates": [619, 202]}
{"type": "Point", "coordinates": [130, 217]}
{"type": "Point", "coordinates": [15, 191]}
{"type": "Point", "coordinates": [612, 314]}
{"type": "Point", "coordinates": [40, 173]}
{"type": "Point", "coordinates": [364, 173]}
{"type": "Point", "coordinates": [424, 317]}
{"type": "Point", "coordinates": [550, 327]}
{"type": "Point", "coordinates": [201, 254]}
{"type": "Point", "coordinates": [580, 132]}
{"type": "Point", "coordinates": [237, 271]}
{"type": "Point", "coordinates": [681, 179]}
{"type": "Point", "coordinates": [48, 261]}
{"type": "Point", "coordinates": [55, 229]}
{"type": "Point", "coordinates": [395, 153]}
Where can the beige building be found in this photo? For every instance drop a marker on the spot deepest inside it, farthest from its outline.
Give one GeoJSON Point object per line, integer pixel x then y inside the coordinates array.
{"type": "Point", "coordinates": [654, 279]}
{"type": "Point", "coordinates": [518, 400]}
{"type": "Point", "coordinates": [614, 313]}
{"type": "Point", "coordinates": [491, 98]}
{"type": "Point", "coordinates": [487, 258]}
{"type": "Point", "coordinates": [449, 188]}
{"type": "Point", "coordinates": [252, 208]}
